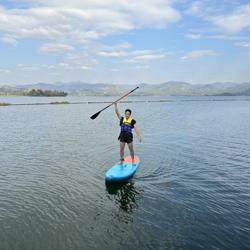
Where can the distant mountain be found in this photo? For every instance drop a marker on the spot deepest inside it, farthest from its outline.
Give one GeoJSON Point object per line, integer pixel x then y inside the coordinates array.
{"type": "Point", "coordinates": [171, 88]}
{"type": "Point", "coordinates": [187, 89]}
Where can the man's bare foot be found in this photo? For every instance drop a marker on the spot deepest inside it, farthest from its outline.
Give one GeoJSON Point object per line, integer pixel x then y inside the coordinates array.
{"type": "Point", "coordinates": [121, 161]}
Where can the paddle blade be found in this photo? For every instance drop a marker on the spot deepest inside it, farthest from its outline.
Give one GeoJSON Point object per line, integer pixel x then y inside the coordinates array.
{"type": "Point", "coordinates": [95, 115]}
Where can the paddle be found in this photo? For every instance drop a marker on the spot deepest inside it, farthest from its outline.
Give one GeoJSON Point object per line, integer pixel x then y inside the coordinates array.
{"type": "Point", "coordinates": [96, 114]}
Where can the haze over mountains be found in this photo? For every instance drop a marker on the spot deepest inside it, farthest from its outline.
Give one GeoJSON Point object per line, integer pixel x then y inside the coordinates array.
{"type": "Point", "coordinates": [171, 88]}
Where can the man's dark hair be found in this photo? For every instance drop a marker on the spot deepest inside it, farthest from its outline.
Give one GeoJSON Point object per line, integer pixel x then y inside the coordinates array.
{"type": "Point", "coordinates": [128, 110]}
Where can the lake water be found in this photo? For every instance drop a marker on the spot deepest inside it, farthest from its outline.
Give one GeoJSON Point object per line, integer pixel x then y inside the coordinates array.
{"type": "Point", "coordinates": [192, 190]}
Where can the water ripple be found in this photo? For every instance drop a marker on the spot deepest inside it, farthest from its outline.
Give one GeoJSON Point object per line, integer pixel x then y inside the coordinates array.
{"type": "Point", "coordinates": [191, 190]}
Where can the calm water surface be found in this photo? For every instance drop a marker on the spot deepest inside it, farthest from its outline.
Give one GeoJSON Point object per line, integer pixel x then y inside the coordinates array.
{"type": "Point", "coordinates": [192, 190]}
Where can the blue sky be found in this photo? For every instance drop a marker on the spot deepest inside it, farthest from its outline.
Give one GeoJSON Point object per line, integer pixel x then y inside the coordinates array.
{"type": "Point", "coordinates": [124, 41]}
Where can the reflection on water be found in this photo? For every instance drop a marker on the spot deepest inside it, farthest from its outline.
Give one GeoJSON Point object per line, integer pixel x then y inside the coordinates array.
{"type": "Point", "coordinates": [125, 195]}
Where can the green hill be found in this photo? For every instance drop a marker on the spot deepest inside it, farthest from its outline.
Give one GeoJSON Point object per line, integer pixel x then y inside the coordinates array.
{"type": "Point", "coordinates": [171, 88]}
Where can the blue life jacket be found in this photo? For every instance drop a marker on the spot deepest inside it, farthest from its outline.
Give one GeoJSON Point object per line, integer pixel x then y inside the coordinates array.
{"type": "Point", "coordinates": [127, 124]}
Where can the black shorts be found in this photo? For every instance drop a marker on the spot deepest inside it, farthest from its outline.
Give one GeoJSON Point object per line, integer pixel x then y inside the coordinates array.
{"type": "Point", "coordinates": [125, 137]}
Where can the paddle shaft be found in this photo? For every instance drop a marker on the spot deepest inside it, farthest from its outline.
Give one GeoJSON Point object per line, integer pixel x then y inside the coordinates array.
{"type": "Point", "coordinates": [120, 98]}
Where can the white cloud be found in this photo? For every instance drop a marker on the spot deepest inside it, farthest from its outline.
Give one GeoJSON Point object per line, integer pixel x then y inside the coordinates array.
{"type": "Point", "coordinates": [234, 22]}
{"type": "Point", "coordinates": [67, 67]}
{"type": "Point", "coordinates": [124, 45]}
{"type": "Point", "coordinates": [195, 8]}
{"type": "Point", "coordinates": [199, 53]}
{"type": "Point", "coordinates": [55, 48]}
{"type": "Point", "coordinates": [79, 21]}
{"type": "Point", "coordinates": [228, 37]}
{"type": "Point", "coordinates": [119, 46]}
{"type": "Point", "coordinates": [243, 44]}
{"type": "Point", "coordinates": [84, 67]}
{"type": "Point", "coordinates": [194, 36]}
{"type": "Point", "coordinates": [112, 53]}
{"type": "Point", "coordinates": [74, 62]}
{"type": "Point", "coordinates": [133, 56]}
{"type": "Point", "coordinates": [10, 40]}
{"type": "Point", "coordinates": [35, 23]}
{"type": "Point", "coordinates": [60, 67]}
{"type": "Point", "coordinates": [227, 16]}
{"type": "Point", "coordinates": [26, 67]}
{"type": "Point", "coordinates": [145, 56]}
{"type": "Point", "coordinates": [80, 59]}
{"type": "Point", "coordinates": [76, 28]}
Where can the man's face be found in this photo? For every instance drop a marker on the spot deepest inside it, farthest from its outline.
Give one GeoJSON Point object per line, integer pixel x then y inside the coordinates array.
{"type": "Point", "coordinates": [127, 114]}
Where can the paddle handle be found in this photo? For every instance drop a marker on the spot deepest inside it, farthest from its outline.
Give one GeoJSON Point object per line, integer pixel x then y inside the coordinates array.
{"type": "Point", "coordinates": [120, 98]}
{"type": "Point", "coordinates": [125, 95]}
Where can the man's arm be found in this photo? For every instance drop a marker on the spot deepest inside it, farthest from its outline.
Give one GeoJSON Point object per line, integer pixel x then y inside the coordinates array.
{"type": "Point", "coordinates": [137, 132]}
{"type": "Point", "coordinates": [117, 111]}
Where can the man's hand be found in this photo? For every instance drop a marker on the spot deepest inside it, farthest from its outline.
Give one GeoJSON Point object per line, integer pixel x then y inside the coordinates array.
{"type": "Point", "coordinates": [117, 111]}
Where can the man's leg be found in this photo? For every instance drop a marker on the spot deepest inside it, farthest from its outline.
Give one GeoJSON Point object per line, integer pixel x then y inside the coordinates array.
{"type": "Point", "coordinates": [122, 146]}
{"type": "Point", "coordinates": [131, 149]}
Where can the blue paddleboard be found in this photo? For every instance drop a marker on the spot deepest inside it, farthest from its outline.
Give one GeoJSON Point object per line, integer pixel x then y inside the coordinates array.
{"type": "Point", "coordinates": [124, 171]}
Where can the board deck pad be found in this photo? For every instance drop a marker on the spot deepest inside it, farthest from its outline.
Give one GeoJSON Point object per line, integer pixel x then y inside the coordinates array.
{"type": "Point", "coordinates": [124, 171]}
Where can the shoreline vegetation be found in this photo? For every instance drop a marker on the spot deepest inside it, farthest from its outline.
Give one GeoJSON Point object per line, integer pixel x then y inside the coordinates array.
{"type": "Point", "coordinates": [56, 103]}
{"type": "Point", "coordinates": [4, 104]}
{"type": "Point", "coordinates": [67, 103]}
{"type": "Point", "coordinates": [34, 92]}
{"type": "Point", "coordinates": [47, 93]}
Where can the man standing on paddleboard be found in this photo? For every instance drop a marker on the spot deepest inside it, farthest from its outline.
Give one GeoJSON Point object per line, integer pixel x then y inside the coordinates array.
{"type": "Point", "coordinates": [126, 135]}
